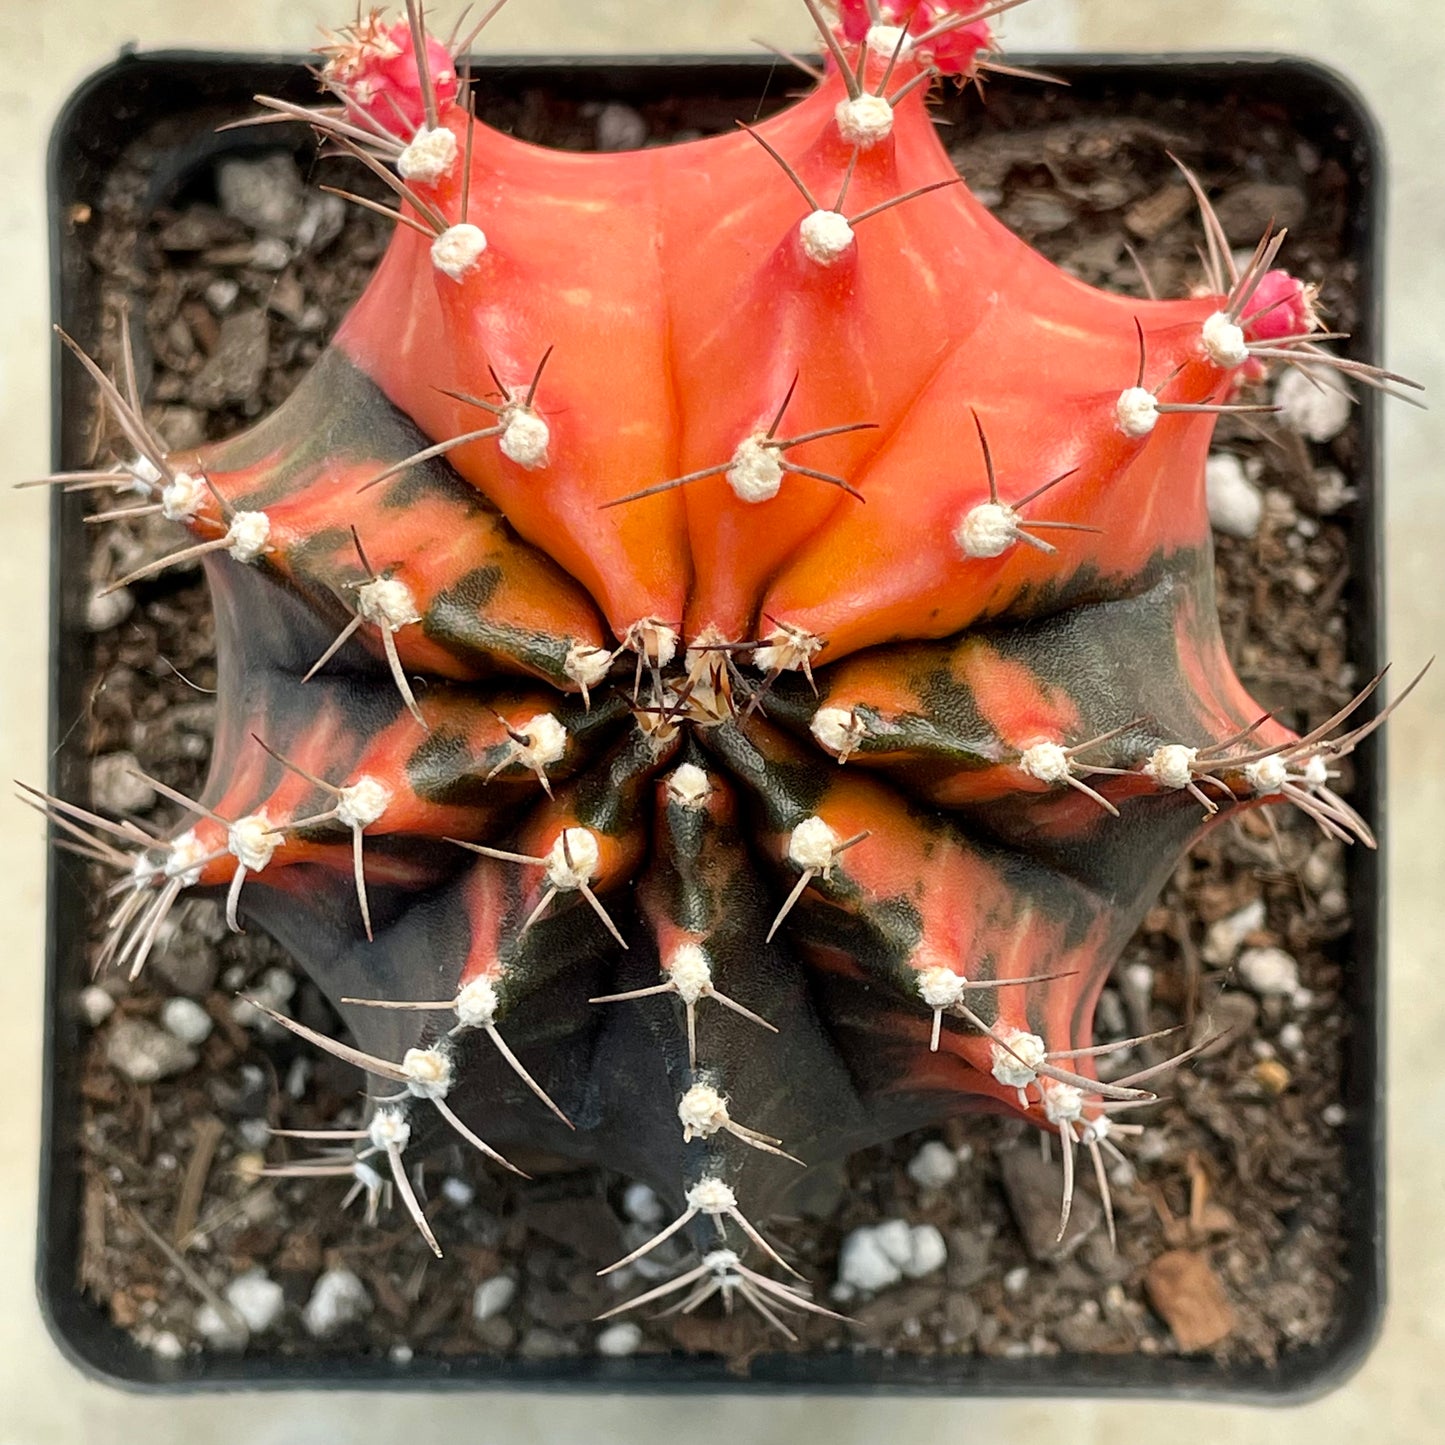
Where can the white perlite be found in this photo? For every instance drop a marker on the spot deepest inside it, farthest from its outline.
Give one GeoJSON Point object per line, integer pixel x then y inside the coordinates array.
{"type": "Point", "coordinates": [144, 1053]}
{"type": "Point", "coordinates": [429, 156]}
{"type": "Point", "coordinates": [457, 1191]}
{"type": "Point", "coordinates": [1269, 972]}
{"type": "Point", "coordinates": [258, 1299]}
{"type": "Point", "coordinates": [1225, 936]}
{"type": "Point", "coordinates": [457, 250]}
{"type": "Point", "coordinates": [1235, 504]}
{"type": "Point", "coordinates": [1317, 406]}
{"type": "Point", "coordinates": [222, 1329]}
{"type": "Point", "coordinates": [875, 1257]}
{"type": "Point", "coordinates": [1137, 412]}
{"type": "Point", "coordinates": [493, 1296]}
{"type": "Point", "coordinates": [185, 1019]}
{"type": "Point", "coordinates": [641, 1204]}
{"type": "Point", "coordinates": [619, 1340]}
{"type": "Point", "coordinates": [95, 1005]}
{"type": "Point", "coordinates": [338, 1299]}
{"type": "Point", "coordinates": [756, 473]}
{"type": "Point", "coordinates": [826, 237]}
{"type": "Point", "coordinates": [864, 121]}
{"type": "Point", "coordinates": [935, 1166]}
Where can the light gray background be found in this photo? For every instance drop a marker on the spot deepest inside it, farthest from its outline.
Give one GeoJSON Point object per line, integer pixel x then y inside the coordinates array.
{"type": "Point", "coordinates": [1395, 52]}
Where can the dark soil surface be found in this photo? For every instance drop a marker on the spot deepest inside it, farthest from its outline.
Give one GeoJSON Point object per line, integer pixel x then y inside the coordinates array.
{"type": "Point", "coordinates": [1233, 1216]}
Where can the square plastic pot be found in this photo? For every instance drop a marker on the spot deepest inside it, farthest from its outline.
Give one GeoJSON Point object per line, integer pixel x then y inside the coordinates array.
{"type": "Point", "coordinates": [175, 100]}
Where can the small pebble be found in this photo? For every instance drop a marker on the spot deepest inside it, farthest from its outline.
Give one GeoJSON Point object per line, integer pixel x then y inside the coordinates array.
{"type": "Point", "coordinates": [457, 1191]}
{"type": "Point", "coordinates": [104, 610]}
{"type": "Point", "coordinates": [95, 1005]}
{"type": "Point", "coordinates": [1016, 1281]}
{"type": "Point", "coordinates": [866, 1263]}
{"type": "Point", "coordinates": [164, 1344]}
{"type": "Point", "coordinates": [270, 253]}
{"type": "Point", "coordinates": [258, 1299]}
{"type": "Point", "coordinates": [1333, 1115]}
{"type": "Point", "coordinates": [1332, 491]}
{"type": "Point", "coordinates": [927, 1252]}
{"type": "Point", "coordinates": [1269, 972]}
{"type": "Point", "coordinates": [493, 1296]}
{"type": "Point", "coordinates": [1235, 505]}
{"type": "Point", "coordinates": [402, 1353]}
{"type": "Point", "coordinates": [1318, 409]}
{"type": "Point", "coordinates": [1292, 1038]}
{"type": "Point", "coordinates": [144, 1053]}
{"type": "Point", "coordinates": [275, 988]}
{"type": "Point", "coordinates": [639, 1203]}
{"type": "Point", "coordinates": [298, 1077]}
{"type": "Point", "coordinates": [338, 1299]}
{"type": "Point", "coordinates": [1138, 980]}
{"type": "Point", "coordinates": [619, 1340]}
{"type": "Point", "coordinates": [321, 222]}
{"type": "Point", "coordinates": [224, 1331]}
{"type": "Point", "coordinates": [1225, 936]}
{"type": "Point", "coordinates": [221, 294]}
{"type": "Point", "coordinates": [934, 1166]}
{"type": "Point", "coordinates": [1272, 1075]}
{"type": "Point", "coordinates": [255, 1133]}
{"type": "Point", "coordinates": [186, 1020]}
{"type": "Point", "coordinates": [620, 128]}
{"type": "Point", "coordinates": [264, 195]}
{"type": "Point", "coordinates": [1323, 866]}
{"type": "Point", "coordinates": [116, 787]}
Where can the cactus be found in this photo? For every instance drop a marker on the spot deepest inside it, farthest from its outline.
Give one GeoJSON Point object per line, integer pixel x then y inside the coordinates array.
{"type": "Point", "coordinates": [719, 655]}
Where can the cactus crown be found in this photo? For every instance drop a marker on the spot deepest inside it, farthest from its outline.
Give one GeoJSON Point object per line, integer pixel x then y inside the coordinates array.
{"type": "Point", "coordinates": [719, 654]}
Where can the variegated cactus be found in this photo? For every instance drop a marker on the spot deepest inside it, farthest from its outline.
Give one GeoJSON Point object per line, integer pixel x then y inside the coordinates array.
{"type": "Point", "coordinates": [719, 655]}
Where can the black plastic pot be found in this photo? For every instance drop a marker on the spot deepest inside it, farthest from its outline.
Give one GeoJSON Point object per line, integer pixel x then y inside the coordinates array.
{"type": "Point", "coordinates": [178, 98]}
